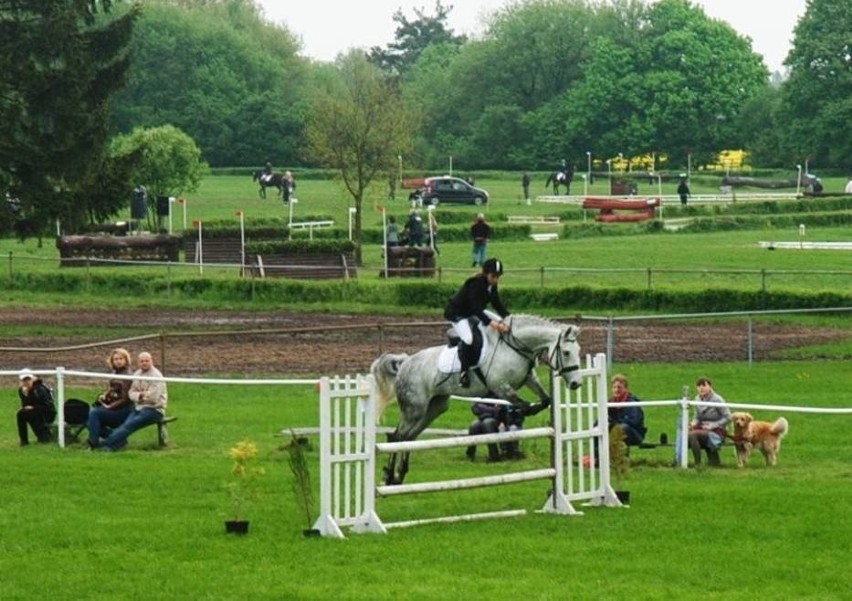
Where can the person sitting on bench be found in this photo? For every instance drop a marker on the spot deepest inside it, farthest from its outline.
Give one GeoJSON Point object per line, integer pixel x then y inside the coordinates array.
{"type": "Point", "coordinates": [707, 430]}
{"type": "Point", "coordinates": [114, 405]}
{"type": "Point", "coordinates": [150, 397]}
{"type": "Point", "coordinates": [629, 418]}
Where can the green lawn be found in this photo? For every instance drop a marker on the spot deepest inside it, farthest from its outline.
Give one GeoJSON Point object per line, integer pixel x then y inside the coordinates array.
{"type": "Point", "coordinates": [144, 523]}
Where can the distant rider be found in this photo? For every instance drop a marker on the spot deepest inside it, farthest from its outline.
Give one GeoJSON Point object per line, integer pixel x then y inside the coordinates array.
{"type": "Point", "coordinates": [471, 300]}
{"type": "Point", "coordinates": [267, 173]}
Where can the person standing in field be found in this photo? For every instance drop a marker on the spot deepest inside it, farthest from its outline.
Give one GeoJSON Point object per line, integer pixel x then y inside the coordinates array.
{"type": "Point", "coordinates": [683, 191]}
{"type": "Point", "coordinates": [480, 231]}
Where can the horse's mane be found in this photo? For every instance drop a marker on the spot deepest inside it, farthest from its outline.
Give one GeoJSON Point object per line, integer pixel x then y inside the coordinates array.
{"type": "Point", "coordinates": [544, 321]}
{"type": "Point", "coordinates": [537, 319]}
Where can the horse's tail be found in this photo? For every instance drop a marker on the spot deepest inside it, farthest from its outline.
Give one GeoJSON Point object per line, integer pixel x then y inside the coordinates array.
{"type": "Point", "coordinates": [549, 179]}
{"type": "Point", "coordinates": [255, 175]}
{"type": "Point", "coordinates": [385, 370]}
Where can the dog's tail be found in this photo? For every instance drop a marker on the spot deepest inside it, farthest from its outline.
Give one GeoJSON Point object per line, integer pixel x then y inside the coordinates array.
{"type": "Point", "coordinates": [780, 427]}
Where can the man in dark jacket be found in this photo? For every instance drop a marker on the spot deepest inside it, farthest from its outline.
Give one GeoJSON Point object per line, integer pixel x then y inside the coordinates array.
{"type": "Point", "coordinates": [480, 231]}
{"type": "Point", "coordinates": [470, 301]}
{"type": "Point", "coordinates": [37, 408]}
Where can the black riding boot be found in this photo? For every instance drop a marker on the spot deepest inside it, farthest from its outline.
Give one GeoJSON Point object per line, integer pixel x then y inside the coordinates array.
{"type": "Point", "coordinates": [465, 360]}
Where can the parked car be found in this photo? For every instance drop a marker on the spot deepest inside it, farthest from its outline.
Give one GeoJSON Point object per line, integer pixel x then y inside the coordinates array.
{"type": "Point", "coordinates": [451, 189]}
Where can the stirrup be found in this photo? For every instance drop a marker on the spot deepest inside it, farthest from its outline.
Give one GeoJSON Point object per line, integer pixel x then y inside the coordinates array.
{"type": "Point", "coordinates": [464, 379]}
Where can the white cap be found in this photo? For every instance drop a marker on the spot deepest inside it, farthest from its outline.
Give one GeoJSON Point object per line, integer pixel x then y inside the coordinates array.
{"type": "Point", "coordinates": [26, 373]}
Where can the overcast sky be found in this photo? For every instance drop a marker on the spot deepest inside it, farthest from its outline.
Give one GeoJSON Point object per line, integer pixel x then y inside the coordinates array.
{"type": "Point", "coordinates": [328, 27]}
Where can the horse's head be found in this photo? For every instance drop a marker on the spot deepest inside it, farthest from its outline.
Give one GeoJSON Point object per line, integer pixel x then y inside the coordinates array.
{"type": "Point", "coordinates": [567, 360]}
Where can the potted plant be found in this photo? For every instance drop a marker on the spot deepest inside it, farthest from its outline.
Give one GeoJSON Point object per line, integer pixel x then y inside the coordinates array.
{"type": "Point", "coordinates": [301, 479]}
{"type": "Point", "coordinates": [241, 485]}
{"type": "Point", "coordinates": [619, 462]}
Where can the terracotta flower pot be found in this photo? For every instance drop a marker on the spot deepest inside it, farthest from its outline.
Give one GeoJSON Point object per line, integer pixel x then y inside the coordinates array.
{"type": "Point", "coordinates": [237, 526]}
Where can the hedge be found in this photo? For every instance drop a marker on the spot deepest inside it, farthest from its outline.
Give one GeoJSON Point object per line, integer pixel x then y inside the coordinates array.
{"type": "Point", "coordinates": [428, 296]}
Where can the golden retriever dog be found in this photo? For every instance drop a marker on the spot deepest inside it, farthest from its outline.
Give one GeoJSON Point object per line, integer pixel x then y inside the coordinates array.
{"type": "Point", "coordinates": [750, 434]}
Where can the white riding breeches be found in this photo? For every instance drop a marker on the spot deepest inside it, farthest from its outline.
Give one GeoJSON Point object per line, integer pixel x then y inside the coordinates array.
{"type": "Point", "coordinates": [462, 328]}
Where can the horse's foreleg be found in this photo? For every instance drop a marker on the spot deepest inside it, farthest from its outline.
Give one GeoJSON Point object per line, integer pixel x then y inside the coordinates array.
{"type": "Point", "coordinates": [403, 467]}
{"type": "Point", "coordinates": [534, 384]}
{"type": "Point", "coordinates": [390, 468]}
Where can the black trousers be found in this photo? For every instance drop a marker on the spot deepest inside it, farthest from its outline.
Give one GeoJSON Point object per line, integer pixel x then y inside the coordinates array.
{"type": "Point", "coordinates": [36, 418]}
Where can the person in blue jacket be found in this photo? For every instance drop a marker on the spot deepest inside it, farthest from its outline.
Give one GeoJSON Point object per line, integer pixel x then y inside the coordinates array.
{"type": "Point", "coordinates": [630, 417]}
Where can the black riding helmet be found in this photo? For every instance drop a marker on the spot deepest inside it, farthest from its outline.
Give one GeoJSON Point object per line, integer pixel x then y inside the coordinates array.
{"type": "Point", "coordinates": [494, 266]}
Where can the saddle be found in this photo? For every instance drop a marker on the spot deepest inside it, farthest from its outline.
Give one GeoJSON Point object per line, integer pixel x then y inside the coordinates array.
{"type": "Point", "coordinates": [450, 359]}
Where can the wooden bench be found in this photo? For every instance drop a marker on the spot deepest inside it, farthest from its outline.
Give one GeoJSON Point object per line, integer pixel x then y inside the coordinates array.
{"type": "Point", "coordinates": [73, 431]}
{"type": "Point", "coordinates": [305, 266]}
{"type": "Point", "coordinates": [163, 430]}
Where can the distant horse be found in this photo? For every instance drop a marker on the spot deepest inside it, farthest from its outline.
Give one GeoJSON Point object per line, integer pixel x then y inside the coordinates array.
{"type": "Point", "coordinates": [423, 390]}
{"type": "Point", "coordinates": [559, 178]}
{"type": "Point", "coordinates": [276, 180]}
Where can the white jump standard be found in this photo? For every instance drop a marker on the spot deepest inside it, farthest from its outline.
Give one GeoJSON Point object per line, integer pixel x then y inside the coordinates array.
{"type": "Point", "coordinates": [349, 451]}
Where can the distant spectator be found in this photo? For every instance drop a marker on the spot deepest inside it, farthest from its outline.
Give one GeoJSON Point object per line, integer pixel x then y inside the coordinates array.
{"type": "Point", "coordinates": [393, 232]}
{"type": "Point", "coordinates": [414, 228]}
{"type": "Point", "coordinates": [525, 184]}
{"type": "Point", "coordinates": [848, 189]}
{"type": "Point", "coordinates": [37, 409]}
{"type": "Point", "coordinates": [433, 231]}
{"type": "Point", "coordinates": [480, 231]}
{"type": "Point", "coordinates": [683, 191]}
{"type": "Point", "coordinates": [415, 199]}
{"type": "Point", "coordinates": [288, 186]}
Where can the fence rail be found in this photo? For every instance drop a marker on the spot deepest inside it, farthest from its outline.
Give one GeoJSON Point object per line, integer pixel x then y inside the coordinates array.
{"type": "Point", "coordinates": [543, 276]}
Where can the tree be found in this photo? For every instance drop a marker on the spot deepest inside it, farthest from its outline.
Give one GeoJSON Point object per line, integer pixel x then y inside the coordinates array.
{"type": "Point", "coordinates": [678, 90]}
{"type": "Point", "coordinates": [168, 161]}
{"type": "Point", "coordinates": [817, 97]}
{"type": "Point", "coordinates": [60, 61]}
{"type": "Point", "coordinates": [413, 37]}
{"type": "Point", "coordinates": [221, 74]}
{"type": "Point", "coordinates": [359, 125]}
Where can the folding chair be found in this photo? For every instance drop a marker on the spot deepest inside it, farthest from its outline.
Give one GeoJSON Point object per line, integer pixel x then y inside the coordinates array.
{"type": "Point", "coordinates": [76, 418]}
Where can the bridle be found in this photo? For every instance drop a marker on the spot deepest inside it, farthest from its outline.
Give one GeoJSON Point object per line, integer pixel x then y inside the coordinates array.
{"type": "Point", "coordinates": [555, 360]}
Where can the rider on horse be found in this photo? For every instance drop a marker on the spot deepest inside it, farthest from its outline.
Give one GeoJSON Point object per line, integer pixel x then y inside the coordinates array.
{"type": "Point", "coordinates": [267, 173]}
{"type": "Point", "coordinates": [471, 300]}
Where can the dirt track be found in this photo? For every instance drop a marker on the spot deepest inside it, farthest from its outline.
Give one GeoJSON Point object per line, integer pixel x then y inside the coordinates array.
{"type": "Point", "coordinates": [254, 351]}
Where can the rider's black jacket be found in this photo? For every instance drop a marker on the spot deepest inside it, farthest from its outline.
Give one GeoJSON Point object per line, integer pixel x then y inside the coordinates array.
{"type": "Point", "coordinates": [472, 299]}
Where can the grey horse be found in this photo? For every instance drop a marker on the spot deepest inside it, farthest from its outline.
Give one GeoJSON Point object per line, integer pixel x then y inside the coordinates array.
{"type": "Point", "coordinates": [423, 392]}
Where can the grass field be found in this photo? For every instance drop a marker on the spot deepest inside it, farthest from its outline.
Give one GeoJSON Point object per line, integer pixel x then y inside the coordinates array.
{"type": "Point", "coordinates": [145, 524]}
{"type": "Point", "coordinates": [148, 523]}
